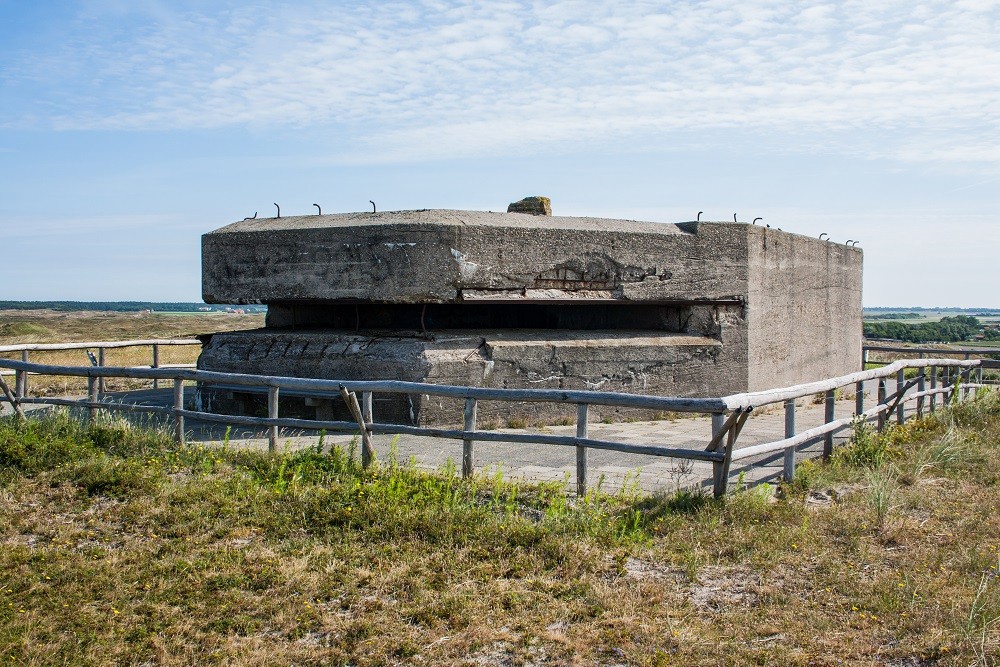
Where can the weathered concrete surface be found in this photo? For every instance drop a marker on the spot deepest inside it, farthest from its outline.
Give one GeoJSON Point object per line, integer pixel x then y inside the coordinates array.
{"type": "Point", "coordinates": [641, 362]}
{"type": "Point", "coordinates": [509, 299]}
{"type": "Point", "coordinates": [441, 256]}
{"type": "Point", "coordinates": [803, 309]}
{"type": "Point", "coordinates": [532, 205]}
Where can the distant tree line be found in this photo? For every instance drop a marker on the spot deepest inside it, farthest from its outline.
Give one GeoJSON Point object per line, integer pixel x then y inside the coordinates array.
{"type": "Point", "coordinates": [124, 306]}
{"type": "Point", "coordinates": [895, 316]}
{"type": "Point", "coordinates": [948, 330]}
{"type": "Point", "coordinates": [937, 309]}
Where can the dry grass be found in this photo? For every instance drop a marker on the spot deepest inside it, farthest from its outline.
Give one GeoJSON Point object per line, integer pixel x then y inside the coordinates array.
{"type": "Point", "coordinates": [117, 548]}
{"type": "Point", "coordinates": [47, 326]}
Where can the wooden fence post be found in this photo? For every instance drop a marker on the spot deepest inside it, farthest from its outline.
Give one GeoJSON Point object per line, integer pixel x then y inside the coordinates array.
{"type": "Point", "coordinates": [789, 461]}
{"type": "Point", "coordinates": [21, 378]}
{"type": "Point", "coordinates": [468, 444]}
{"type": "Point", "coordinates": [718, 422]}
{"type": "Point", "coordinates": [367, 407]}
{"type": "Point", "coordinates": [92, 398]}
{"type": "Point", "coordinates": [367, 448]}
{"type": "Point", "coordinates": [720, 469]}
{"type": "Point", "coordinates": [900, 400]}
{"type": "Point", "coordinates": [272, 413]}
{"type": "Point", "coordinates": [14, 403]}
{"type": "Point", "coordinates": [921, 387]}
{"type": "Point", "coordinates": [101, 385]}
{"type": "Point", "coordinates": [859, 398]}
{"type": "Point", "coordinates": [946, 385]}
{"type": "Point", "coordinates": [881, 403]}
{"type": "Point", "coordinates": [581, 452]}
{"type": "Point", "coordinates": [178, 407]}
{"type": "Point", "coordinates": [156, 364]}
{"type": "Point", "coordinates": [933, 387]}
{"type": "Point", "coordinates": [831, 403]}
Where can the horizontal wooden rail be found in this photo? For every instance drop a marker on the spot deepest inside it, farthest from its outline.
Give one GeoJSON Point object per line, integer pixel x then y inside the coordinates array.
{"type": "Point", "coordinates": [932, 350]}
{"type": "Point", "coordinates": [5, 371]}
{"type": "Point", "coordinates": [759, 398]}
{"type": "Point", "coordinates": [102, 345]}
{"type": "Point", "coordinates": [667, 403]}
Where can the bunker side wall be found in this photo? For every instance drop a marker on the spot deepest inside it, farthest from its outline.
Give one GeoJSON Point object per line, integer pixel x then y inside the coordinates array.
{"type": "Point", "coordinates": [803, 309]}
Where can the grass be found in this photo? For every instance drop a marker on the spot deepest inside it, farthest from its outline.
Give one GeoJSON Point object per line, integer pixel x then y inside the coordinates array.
{"type": "Point", "coordinates": [117, 547]}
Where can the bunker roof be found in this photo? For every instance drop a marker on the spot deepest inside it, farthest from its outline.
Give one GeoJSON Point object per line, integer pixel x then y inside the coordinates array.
{"type": "Point", "coordinates": [454, 217]}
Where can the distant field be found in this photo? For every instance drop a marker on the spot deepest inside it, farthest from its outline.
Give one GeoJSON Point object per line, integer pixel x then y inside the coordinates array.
{"type": "Point", "coordinates": [50, 326]}
{"type": "Point", "coordinates": [979, 343]}
{"type": "Point", "coordinates": [985, 315]}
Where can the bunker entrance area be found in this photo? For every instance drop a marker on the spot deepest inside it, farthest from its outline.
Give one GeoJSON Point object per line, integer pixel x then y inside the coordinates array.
{"type": "Point", "coordinates": [527, 300]}
{"type": "Point", "coordinates": [606, 316]}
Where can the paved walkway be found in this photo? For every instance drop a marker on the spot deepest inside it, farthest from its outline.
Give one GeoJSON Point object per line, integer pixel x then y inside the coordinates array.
{"type": "Point", "coordinates": [611, 470]}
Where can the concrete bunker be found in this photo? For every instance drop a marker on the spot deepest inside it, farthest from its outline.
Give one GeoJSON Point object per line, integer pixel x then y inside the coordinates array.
{"type": "Point", "coordinates": [522, 300]}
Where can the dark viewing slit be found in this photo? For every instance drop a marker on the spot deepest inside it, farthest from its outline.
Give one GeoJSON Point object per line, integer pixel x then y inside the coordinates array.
{"type": "Point", "coordinates": [418, 317]}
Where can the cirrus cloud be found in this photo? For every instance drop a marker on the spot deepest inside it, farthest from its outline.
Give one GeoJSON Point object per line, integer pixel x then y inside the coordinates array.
{"type": "Point", "coordinates": [399, 81]}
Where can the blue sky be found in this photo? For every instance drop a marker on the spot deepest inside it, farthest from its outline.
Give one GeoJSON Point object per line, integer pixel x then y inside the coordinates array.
{"type": "Point", "coordinates": [128, 128]}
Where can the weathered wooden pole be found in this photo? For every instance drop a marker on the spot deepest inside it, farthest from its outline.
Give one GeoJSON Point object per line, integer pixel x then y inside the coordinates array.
{"type": "Point", "coordinates": [178, 407]}
{"type": "Point", "coordinates": [272, 413]}
{"type": "Point", "coordinates": [720, 469]}
{"type": "Point", "coordinates": [582, 412]}
{"type": "Point", "coordinates": [21, 378]}
{"type": "Point", "coordinates": [830, 406]}
{"type": "Point", "coordinates": [789, 460]}
{"type": "Point", "coordinates": [934, 371]}
{"type": "Point", "coordinates": [900, 398]}
{"type": "Point", "coordinates": [92, 398]}
{"type": "Point", "coordinates": [367, 448]}
{"type": "Point", "coordinates": [14, 403]}
{"type": "Point", "coordinates": [367, 407]}
{"type": "Point", "coordinates": [881, 404]}
{"type": "Point", "coordinates": [101, 385]}
{"type": "Point", "coordinates": [468, 444]}
{"type": "Point", "coordinates": [921, 387]}
{"type": "Point", "coordinates": [156, 364]}
{"type": "Point", "coordinates": [859, 398]}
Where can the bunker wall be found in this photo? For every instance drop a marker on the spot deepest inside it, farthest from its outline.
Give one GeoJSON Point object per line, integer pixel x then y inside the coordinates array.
{"type": "Point", "coordinates": [803, 309]}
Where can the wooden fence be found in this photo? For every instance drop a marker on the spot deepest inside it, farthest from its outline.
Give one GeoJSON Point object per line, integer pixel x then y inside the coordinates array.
{"type": "Point", "coordinates": [26, 349]}
{"type": "Point", "coordinates": [897, 351]}
{"type": "Point", "coordinates": [931, 379]}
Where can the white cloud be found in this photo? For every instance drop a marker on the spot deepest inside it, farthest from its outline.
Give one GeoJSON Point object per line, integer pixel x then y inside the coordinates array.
{"type": "Point", "coordinates": [462, 78]}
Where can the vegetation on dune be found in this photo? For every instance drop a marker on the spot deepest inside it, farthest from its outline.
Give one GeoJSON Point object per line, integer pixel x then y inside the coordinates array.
{"type": "Point", "coordinates": [18, 329]}
{"type": "Point", "coordinates": [118, 547]}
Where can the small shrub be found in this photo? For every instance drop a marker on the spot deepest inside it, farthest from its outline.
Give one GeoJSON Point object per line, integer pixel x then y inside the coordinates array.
{"type": "Point", "coordinates": [106, 476]}
{"type": "Point", "coordinates": [883, 485]}
{"type": "Point", "coordinates": [35, 445]}
{"type": "Point", "coordinates": [868, 448]}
